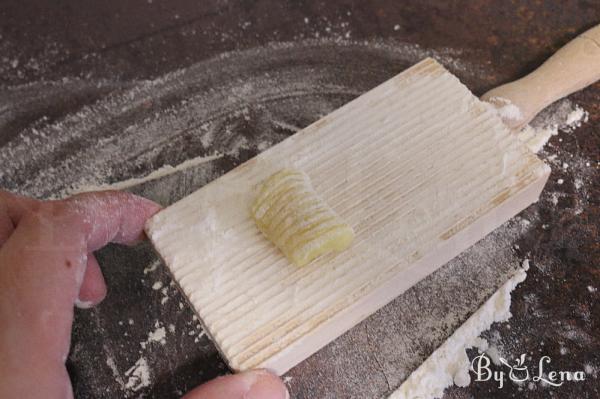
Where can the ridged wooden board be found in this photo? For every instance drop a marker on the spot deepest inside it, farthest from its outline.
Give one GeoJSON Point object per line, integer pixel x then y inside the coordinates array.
{"type": "Point", "coordinates": [418, 166]}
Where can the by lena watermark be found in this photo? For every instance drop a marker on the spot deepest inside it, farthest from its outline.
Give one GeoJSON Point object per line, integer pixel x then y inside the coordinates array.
{"type": "Point", "coordinates": [520, 372]}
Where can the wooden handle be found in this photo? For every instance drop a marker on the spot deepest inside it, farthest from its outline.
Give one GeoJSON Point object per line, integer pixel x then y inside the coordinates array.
{"type": "Point", "coordinates": [573, 67]}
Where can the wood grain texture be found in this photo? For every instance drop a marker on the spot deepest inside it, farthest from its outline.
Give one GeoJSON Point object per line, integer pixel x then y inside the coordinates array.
{"type": "Point", "coordinates": [419, 167]}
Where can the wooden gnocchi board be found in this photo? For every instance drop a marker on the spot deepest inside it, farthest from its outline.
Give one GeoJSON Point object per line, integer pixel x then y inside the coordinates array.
{"type": "Point", "coordinates": [418, 166]}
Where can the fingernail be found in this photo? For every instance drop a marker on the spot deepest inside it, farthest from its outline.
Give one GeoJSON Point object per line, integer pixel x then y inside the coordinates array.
{"type": "Point", "coordinates": [147, 202]}
{"type": "Point", "coordinates": [264, 385]}
{"type": "Point", "coordinates": [83, 304]}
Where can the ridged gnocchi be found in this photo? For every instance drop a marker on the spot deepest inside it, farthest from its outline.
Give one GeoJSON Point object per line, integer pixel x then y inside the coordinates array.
{"type": "Point", "coordinates": [297, 220]}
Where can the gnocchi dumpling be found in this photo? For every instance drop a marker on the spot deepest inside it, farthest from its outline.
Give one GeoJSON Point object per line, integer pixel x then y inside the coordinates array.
{"type": "Point", "coordinates": [291, 215]}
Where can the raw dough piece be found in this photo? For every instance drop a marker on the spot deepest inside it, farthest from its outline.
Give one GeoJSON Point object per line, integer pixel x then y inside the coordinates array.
{"type": "Point", "coordinates": [290, 214]}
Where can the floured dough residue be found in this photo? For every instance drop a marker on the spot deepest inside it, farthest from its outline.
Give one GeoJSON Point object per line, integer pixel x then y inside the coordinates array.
{"type": "Point", "coordinates": [449, 363]}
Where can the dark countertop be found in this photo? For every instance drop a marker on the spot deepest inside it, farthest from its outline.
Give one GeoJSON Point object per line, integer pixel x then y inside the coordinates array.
{"type": "Point", "coordinates": [86, 51]}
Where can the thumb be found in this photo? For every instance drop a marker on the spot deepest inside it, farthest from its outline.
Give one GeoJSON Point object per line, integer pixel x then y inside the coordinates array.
{"type": "Point", "coordinates": [256, 384]}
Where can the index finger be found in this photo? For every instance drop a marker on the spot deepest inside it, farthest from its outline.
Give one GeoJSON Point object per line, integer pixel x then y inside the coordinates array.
{"type": "Point", "coordinates": [42, 267]}
{"type": "Point", "coordinates": [112, 216]}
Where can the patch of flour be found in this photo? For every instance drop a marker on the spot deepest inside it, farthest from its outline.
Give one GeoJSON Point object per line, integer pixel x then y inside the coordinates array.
{"type": "Point", "coordinates": [590, 370]}
{"type": "Point", "coordinates": [563, 115]}
{"type": "Point", "coordinates": [573, 191]}
{"type": "Point", "coordinates": [152, 266]}
{"type": "Point", "coordinates": [14, 65]}
{"type": "Point", "coordinates": [572, 173]}
{"type": "Point", "coordinates": [138, 375]}
{"type": "Point", "coordinates": [110, 362]}
{"type": "Point", "coordinates": [449, 364]}
{"type": "Point", "coordinates": [158, 335]}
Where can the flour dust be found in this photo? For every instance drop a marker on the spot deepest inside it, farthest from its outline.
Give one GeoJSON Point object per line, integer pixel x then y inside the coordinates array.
{"type": "Point", "coordinates": [229, 107]}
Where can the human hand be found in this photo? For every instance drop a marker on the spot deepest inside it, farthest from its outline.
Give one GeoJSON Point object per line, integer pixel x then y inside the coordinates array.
{"type": "Point", "coordinates": [47, 265]}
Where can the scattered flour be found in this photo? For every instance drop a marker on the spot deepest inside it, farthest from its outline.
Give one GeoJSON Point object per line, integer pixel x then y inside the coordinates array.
{"type": "Point", "coordinates": [142, 130]}
{"type": "Point", "coordinates": [449, 363]}
{"type": "Point", "coordinates": [563, 350]}
{"type": "Point", "coordinates": [590, 370]}
{"type": "Point", "coordinates": [14, 65]}
{"type": "Point", "coordinates": [166, 297]}
{"type": "Point", "coordinates": [575, 118]}
{"type": "Point", "coordinates": [146, 130]}
{"type": "Point", "coordinates": [110, 362]}
{"type": "Point", "coordinates": [138, 375]}
{"type": "Point", "coordinates": [200, 335]}
{"type": "Point", "coordinates": [561, 116]}
{"type": "Point", "coordinates": [152, 266]}
{"type": "Point", "coordinates": [158, 335]}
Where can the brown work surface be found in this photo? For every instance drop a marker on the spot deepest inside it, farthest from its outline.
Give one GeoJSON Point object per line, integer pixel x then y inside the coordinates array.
{"type": "Point", "coordinates": [286, 64]}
